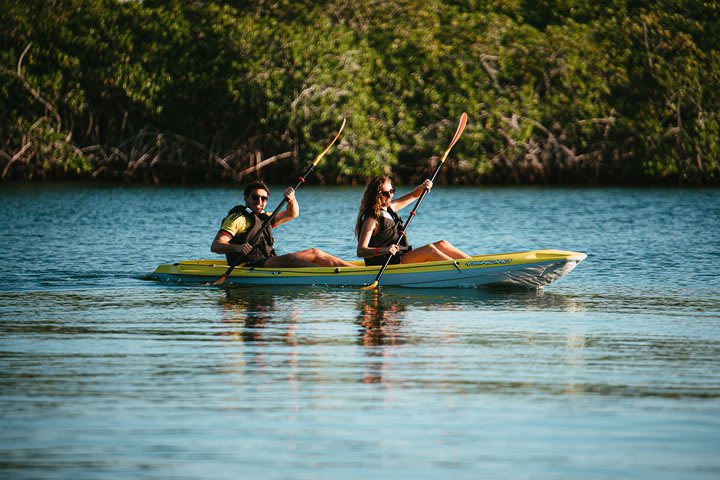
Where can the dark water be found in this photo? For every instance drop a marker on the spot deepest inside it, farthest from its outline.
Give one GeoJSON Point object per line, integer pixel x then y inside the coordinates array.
{"type": "Point", "coordinates": [613, 372]}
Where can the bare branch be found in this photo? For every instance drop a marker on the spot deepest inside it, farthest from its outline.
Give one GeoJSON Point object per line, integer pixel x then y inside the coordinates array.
{"type": "Point", "coordinates": [647, 46]}
{"type": "Point", "coordinates": [20, 60]}
{"type": "Point", "coordinates": [491, 72]}
{"type": "Point", "coordinates": [18, 74]}
{"type": "Point", "coordinates": [264, 163]}
{"type": "Point", "coordinates": [14, 158]}
{"type": "Point", "coordinates": [21, 152]}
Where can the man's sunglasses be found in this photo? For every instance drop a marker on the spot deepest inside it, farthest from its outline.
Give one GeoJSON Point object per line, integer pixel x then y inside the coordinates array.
{"type": "Point", "coordinates": [257, 197]}
{"type": "Point", "coordinates": [388, 193]}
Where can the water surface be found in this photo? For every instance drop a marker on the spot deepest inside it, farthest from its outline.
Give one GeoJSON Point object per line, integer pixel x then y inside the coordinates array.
{"type": "Point", "coordinates": [613, 372]}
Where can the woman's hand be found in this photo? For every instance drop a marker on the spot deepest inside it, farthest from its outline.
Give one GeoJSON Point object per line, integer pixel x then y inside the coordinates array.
{"type": "Point", "coordinates": [393, 249]}
{"type": "Point", "coordinates": [426, 185]}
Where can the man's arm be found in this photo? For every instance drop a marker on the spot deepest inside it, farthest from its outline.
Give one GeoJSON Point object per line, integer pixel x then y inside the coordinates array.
{"type": "Point", "coordinates": [291, 211]}
{"type": "Point", "coordinates": [221, 244]}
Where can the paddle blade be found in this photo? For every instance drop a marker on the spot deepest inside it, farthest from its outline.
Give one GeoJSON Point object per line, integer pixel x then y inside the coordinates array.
{"type": "Point", "coordinates": [461, 128]}
{"type": "Point", "coordinates": [322, 154]}
{"type": "Point", "coordinates": [372, 286]}
{"type": "Point", "coordinates": [220, 280]}
{"type": "Point", "coordinates": [456, 137]}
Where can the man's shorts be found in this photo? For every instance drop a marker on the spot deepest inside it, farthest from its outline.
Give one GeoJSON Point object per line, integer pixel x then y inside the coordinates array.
{"type": "Point", "coordinates": [257, 263]}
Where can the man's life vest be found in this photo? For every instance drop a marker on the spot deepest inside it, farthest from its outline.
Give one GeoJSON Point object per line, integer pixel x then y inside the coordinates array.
{"type": "Point", "coordinates": [387, 233]}
{"type": "Point", "coordinates": [263, 247]}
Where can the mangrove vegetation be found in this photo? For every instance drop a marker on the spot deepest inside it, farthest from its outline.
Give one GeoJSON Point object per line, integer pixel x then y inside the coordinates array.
{"type": "Point", "coordinates": [557, 91]}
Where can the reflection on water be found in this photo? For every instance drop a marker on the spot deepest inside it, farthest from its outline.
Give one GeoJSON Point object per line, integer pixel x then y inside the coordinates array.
{"type": "Point", "coordinates": [470, 341]}
{"type": "Point", "coordinates": [251, 311]}
{"type": "Point", "coordinates": [380, 326]}
{"type": "Point", "coordinates": [247, 313]}
{"type": "Point", "coordinates": [379, 321]}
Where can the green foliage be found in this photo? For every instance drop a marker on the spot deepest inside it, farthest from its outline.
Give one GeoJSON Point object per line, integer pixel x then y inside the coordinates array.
{"type": "Point", "coordinates": [556, 90]}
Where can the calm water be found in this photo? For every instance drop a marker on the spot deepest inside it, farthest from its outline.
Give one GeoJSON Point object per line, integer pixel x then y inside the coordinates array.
{"type": "Point", "coordinates": [614, 372]}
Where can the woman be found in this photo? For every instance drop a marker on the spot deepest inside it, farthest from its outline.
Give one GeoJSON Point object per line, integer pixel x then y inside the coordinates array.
{"type": "Point", "coordinates": [378, 228]}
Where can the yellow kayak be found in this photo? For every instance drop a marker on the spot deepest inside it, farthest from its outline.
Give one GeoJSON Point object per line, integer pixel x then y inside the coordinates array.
{"type": "Point", "coordinates": [532, 269]}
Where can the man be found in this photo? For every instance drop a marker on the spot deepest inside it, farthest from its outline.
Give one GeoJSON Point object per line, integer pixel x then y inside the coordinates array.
{"type": "Point", "coordinates": [243, 222]}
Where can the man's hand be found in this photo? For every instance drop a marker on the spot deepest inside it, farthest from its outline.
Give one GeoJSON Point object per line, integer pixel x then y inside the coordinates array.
{"type": "Point", "coordinates": [244, 248]}
{"type": "Point", "coordinates": [289, 194]}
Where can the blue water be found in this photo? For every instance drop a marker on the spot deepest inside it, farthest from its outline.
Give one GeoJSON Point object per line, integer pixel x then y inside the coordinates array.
{"type": "Point", "coordinates": [613, 372]}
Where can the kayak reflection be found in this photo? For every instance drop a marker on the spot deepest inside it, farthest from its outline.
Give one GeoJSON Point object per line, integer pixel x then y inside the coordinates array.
{"type": "Point", "coordinates": [325, 335]}
{"type": "Point", "coordinates": [251, 311]}
{"type": "Point", "coordinates": [266, 313]}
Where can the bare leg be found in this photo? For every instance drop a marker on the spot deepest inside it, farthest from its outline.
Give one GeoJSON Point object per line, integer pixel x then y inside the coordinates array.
{"type": "Point", "coordinates": [323, 259]}
{"type": "Point", "coordinates": [312, 257]}
{"type": "Point", "coordinates": [449, 250]}
{"type": "Point", "coordinates": [426, 253]}
{"type": "Point", "coordinates": [433, 252]}
{"type": "Point", "coordinates": [289, 260]}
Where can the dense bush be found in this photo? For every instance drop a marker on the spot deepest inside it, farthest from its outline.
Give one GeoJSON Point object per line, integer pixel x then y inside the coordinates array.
{"type": "Point", "coordinates": [556, 90]}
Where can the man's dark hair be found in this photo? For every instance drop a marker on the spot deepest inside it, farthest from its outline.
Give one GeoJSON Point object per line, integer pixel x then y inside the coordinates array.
{"type": "Point", "coordinates": [254, 186]}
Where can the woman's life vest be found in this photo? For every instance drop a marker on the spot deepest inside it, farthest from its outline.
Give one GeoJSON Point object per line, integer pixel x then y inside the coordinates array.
{"type": "Point", "coordinates": [387, 233]}
{"type": "Point", "coordinates": [263, 247]}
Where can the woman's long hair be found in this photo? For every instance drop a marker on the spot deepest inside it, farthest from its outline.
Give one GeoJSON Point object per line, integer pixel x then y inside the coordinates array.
{"type": "Point", "coordinates": [370, 204]}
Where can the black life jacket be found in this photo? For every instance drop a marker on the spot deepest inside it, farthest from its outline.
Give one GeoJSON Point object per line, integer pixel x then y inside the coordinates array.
{"type": "Point", "coordinates": [264, 246]}
{"type": "Point", "coordinates": [387, 233]}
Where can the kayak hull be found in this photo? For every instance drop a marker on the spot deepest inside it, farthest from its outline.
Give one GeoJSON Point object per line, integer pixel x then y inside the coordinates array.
{"type": "Point", "coordinates": [531, 269]}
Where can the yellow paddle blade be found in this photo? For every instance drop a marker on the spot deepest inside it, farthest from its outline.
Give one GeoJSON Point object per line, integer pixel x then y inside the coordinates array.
{"type": "Point", "coordinates": [220, 280]}
{"type": "Point", "coordinates": [322, 154]}
{"type": "Point", "coordinates": [458, 132]}
{"type": "Point", "coordinates": [372, 286]}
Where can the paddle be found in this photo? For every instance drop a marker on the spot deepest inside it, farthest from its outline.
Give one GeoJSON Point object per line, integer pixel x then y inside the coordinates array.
{"type": "Point", "coordinates": [460, 129]}
{"type": "Point", "coordinates": [301, 180]}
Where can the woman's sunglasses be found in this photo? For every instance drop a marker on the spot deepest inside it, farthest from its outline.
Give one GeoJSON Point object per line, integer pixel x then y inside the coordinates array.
{"type": "Point", "coordinates": [257, 197]}
{"type": "Point", "coordinates": [388, 193]}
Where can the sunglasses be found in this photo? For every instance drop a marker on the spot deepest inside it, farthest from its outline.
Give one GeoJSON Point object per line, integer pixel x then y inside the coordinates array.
{"type": "Point", "coordinates": [257, 197]}
{"type": "Point", "coordinates": [388, 193]}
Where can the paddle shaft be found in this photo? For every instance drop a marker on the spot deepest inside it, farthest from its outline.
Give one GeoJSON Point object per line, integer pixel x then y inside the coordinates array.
{"type": "Point", "coordinates": [267, 222]}
{"type": "Point", "coordinates": [460, 129]}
